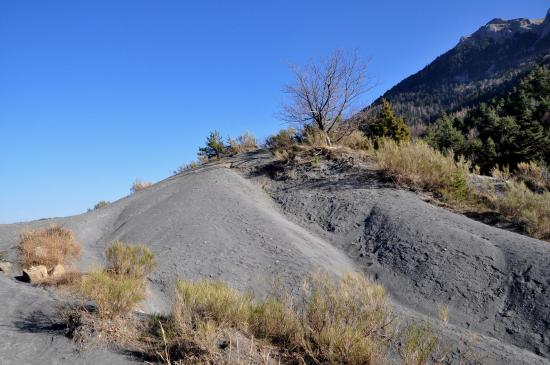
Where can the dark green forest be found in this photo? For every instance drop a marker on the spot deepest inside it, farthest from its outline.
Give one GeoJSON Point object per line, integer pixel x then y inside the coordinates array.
{"type": "Point", "coordinates": [505, 131]}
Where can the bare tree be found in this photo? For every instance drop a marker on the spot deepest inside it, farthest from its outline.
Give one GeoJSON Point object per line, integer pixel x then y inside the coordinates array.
{"type": "Point", "coordinates": [323, 93]}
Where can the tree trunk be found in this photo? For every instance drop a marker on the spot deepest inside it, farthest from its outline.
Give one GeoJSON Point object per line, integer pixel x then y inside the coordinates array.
{"type": "Point", "coordinates": [329, 143]}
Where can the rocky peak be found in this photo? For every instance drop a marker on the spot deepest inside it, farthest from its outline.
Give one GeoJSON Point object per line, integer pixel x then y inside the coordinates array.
{"type": "Point", "coordinates": [500, 30]}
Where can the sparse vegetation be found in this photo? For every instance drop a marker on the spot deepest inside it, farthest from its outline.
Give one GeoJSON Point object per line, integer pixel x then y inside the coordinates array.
{"type": "Point", "coordinates": [347, 321]}
{"type": "Point", "coordinates": [129, 260]}
{"type": "Point", "coordinates": [419, 344]}
{"type": "Point", "coordinates": [115, 290]}
{"type": "Point", "coordinates": [139, 185]}
{"type": "Point", "coordinates": [416, 164]}
{"type": "Point", "coordinates": [243, 143]}
{"type": "Point", "coordinates": [113, 295]}
{"type": "Point", "coordinates": [49, 247]}
{"type": "Point", "coordinates": [67, 279]}
{"type": "Point", "coordinates": [101, 204]}
{"type": "Point", "coordinates": [526, 207]}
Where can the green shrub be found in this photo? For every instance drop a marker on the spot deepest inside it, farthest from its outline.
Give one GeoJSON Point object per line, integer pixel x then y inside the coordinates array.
{"type": "Point", "coordinates": [388, 125]}
{"type": "Point", "coordinates": [129, 260]}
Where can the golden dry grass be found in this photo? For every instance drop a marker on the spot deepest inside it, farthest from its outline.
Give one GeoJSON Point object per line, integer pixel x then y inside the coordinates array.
{"type": "Point", "coordinates": [530, 209]}
{"type": "Point", "coordinates": [243, 143]}
{"type": "Point", "coordinates": [347, 321]}
{"type": "Point", "coordinates": [139, 185]}
{"type": "Point", "coordinates": [113, 296]}
{"type": "Point", "coordinates": [67, 279]}
{"type": "Point", "coordinates": [48, 247]}
{"type": "Point", "coordinates": [418, 165]}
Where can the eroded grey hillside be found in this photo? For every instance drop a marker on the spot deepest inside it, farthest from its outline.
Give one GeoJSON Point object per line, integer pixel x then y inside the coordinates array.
{"type": "Point", "coordinates": [249, 219]}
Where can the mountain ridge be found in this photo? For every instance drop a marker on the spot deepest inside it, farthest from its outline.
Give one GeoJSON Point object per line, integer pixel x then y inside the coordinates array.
{"type": "Point", "coordinates": [482, 65]}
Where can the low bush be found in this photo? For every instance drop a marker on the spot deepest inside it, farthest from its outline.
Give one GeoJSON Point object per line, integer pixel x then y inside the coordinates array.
{"type": "Point", "coordinates": [48, 247]}
{"type": "Point", "coordinates": [416, 164]}
{"type": "Point", "coordinates": [113, 296]}
{"type": "Point", "coordinates": [139, 185]}
{"type": "Point", "coordinates": [129, 260]}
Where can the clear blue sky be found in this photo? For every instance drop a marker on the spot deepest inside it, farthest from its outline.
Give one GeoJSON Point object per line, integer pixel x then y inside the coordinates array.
{"type": "Point", "coordinates": [94, 94]}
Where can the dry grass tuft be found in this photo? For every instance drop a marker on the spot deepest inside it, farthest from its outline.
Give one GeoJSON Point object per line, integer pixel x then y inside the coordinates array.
{"type": "Point", "coordinates": [135, 261]}
{"type": "Point", "coordinates": [526, 207]}
{"type": "Point", "coordinates": [139, 185]}
{"type": "Point", "coordinates": [420, 343]}
{"type": "Point", "coordinates": [68, 279]}
{"type": "Point", "coordinates": [48, 247]}
{"type": "Point", "coordinates": [347, 321]}
{"type": "Point", "coordinates": [356, 140]}
{"type": "Point", "coordinates": [244, 143]}
{"type": "Point", "coordinates": [114, 296]}
{"type": "Point", "coordinates": [536, 177]}
{"type": "Point", "coordinates": [416, 164]}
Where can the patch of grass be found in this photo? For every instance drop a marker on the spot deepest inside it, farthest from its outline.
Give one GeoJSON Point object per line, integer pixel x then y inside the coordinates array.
{"type": "Point", "coordinates": [113, 296]}
{"type": "Point", "coordinates": [526, 207]}
{"type": "Point", "coordinates": [3, 255]}
{"type": "Point", "coordinates": [356, 140]}
{"type": "Point", "coordinates": [347, 321]}
{"type": "Point", "coordinates": [67, 279]}
{"type": "Point", "coordinates": [536, 177]}
{"type": "Point", "coordinates": [419, 344]}
{"type": "Point", "coordinates": [124, 259]}
{"type": "Point", "coordinates": [139, 185]}
{"type": "Point", "coordinates": [211, 301]}
{"type": "Point", "coordinates": [48, 247]}
{"type": "Point", "coordinates": [418, 165]}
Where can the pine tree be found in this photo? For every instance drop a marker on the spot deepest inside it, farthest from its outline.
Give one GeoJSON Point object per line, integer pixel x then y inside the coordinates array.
{"type": "Point", "coordinates": [387, 124]}
{"type": "Point", "coordinates": [214, 146]}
